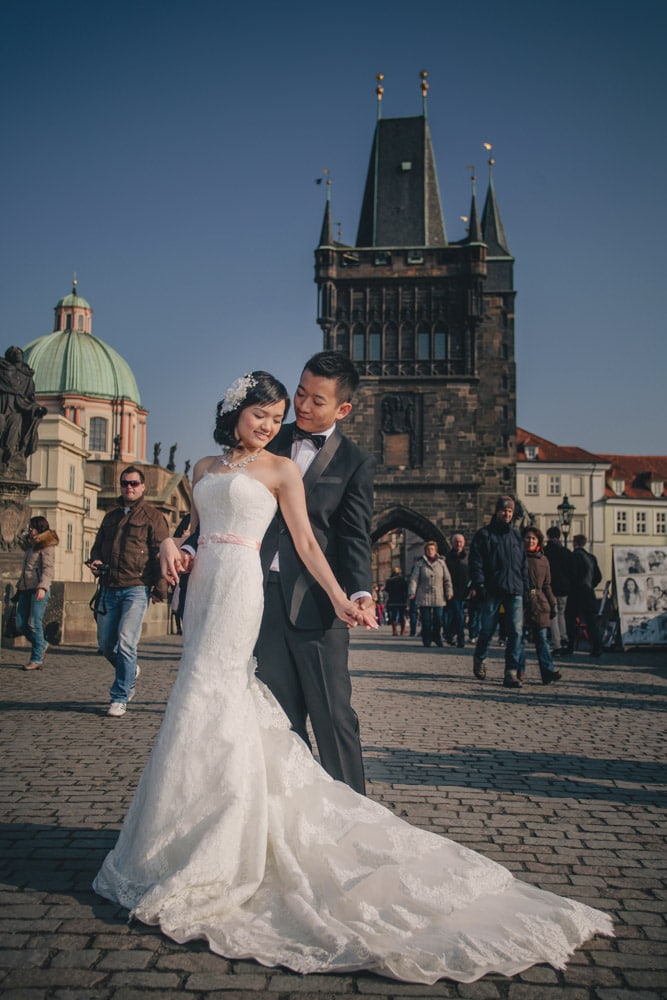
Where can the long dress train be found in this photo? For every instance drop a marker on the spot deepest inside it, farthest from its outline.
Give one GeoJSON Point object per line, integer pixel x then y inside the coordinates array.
{"type": "Point", "coordinates": [238, 836]}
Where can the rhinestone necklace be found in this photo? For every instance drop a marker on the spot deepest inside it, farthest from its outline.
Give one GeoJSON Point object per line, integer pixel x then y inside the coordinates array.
{"type": "Point", "coordinates": [239, 465]}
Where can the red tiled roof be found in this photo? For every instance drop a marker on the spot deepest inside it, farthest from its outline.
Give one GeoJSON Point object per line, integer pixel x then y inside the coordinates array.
{"type": "Point", "coordinates": [637, 471]}
{"type": "Point", "coordinates": [547, 451]}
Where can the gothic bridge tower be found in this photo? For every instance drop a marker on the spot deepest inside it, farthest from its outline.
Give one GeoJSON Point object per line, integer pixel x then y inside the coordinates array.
{"type": "Point", "coordinates": [430, 327]}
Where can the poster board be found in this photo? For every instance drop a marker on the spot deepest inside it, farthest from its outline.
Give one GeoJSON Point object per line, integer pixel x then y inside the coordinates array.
{"type": "Point", "coordinates": [640, 580]}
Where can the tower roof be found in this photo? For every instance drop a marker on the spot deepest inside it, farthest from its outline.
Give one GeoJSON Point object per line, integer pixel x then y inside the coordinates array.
{"type": "Point", "coordinates": [493, 233]}
{"type": "Point", "coordinates": [71, 361]}
{"type": "Point", "coordinates": [401, 206]}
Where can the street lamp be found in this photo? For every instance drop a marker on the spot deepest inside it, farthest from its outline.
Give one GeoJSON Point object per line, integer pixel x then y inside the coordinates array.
{"type": "Point", "coordinates": [565, 515]}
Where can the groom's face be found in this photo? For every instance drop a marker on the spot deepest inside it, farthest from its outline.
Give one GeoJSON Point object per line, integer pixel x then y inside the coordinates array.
{"type": "Point", "coordinates": [316, 404]}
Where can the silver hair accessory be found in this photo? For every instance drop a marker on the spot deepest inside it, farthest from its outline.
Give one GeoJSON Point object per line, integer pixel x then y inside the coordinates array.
{"type": "Point", "coordinates": [237, 392]}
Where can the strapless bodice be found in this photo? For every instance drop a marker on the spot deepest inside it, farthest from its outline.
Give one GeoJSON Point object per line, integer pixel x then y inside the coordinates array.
{"type": "Point", "coordinates": [234, 503]}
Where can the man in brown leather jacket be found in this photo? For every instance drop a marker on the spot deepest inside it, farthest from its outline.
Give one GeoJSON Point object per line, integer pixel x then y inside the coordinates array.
{"type": "Point", "coordinates": [125, 556]}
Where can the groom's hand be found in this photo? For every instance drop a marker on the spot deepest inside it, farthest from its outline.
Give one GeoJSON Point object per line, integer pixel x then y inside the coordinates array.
{"type": "Point", "coordinates": [367, 605]}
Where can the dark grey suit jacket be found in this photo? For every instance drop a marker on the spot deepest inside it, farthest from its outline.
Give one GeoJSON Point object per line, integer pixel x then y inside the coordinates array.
{"type": "Point", "coordinates": [339, 498]}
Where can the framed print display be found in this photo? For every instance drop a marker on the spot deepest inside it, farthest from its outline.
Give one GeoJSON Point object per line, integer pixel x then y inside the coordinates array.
{"type": "Point", "coordinates": [640, 579]}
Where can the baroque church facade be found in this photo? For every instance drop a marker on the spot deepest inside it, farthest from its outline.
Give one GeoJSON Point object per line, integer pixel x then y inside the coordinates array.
{"type": "Point", "coordinates": [429, 325]}
{"type": "Point", "coordinates": [94, 427]}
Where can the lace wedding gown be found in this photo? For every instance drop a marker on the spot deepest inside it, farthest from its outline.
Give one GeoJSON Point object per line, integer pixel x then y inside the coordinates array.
{"type": "Point", "coordinates": [236, 834]}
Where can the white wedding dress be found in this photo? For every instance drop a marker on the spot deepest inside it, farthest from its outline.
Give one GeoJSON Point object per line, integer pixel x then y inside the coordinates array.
{"type": "Point", "coordinates": [236, 835]}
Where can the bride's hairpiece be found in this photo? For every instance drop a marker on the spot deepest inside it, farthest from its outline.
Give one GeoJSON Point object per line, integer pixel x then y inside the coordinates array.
{"type": "Point", "coordinates": [237, 392]}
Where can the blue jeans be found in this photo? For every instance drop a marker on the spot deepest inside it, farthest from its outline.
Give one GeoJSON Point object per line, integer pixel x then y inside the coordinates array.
{"type": "Point", "coordinates": [431, 624]}
{"type": "Point", "coordinates": [29, 618]}
{"type": "Point", "coordinates": [455, 622]}
{"type": "Point", "coordinates": [514, 648]}
{"type": "Point", "coordinates": [118, 634]}
{"type": "Point", "coordinates": [543, 650]}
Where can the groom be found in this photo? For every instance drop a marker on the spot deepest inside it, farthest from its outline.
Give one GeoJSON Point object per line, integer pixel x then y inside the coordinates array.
{"type": "Point", "coordinates": [302, 648]}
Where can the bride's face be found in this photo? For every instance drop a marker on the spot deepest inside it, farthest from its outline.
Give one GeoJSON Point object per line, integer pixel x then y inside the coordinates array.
{"type": "Point", "coordinates": [259, 424]}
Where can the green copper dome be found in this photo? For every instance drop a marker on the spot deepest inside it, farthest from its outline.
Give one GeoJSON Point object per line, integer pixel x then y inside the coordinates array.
{"type": "Point", "coordinates": [73, 300]}
{"type": "Point", "coordinates": [69, 361]}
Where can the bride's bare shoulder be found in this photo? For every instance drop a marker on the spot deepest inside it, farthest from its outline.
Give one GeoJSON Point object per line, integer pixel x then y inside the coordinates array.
{"type": "Point", "coordinates": [203, 465]}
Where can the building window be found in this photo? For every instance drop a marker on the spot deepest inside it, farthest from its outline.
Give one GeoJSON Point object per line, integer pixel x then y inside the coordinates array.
{"type": "Point", "coordinates": [423, 346]}
{"type": "Point", "coordinates": [640, 522]}
{"type": "Point", "coordinates": [618, 487]}
{"type": "Point", "coordinates": [657, 487]}
{"type": "Point", "coordinates": [374, 347]}
{"type": "Point", "coordinates": [358, 347]}
{"type": "Point", "coordinates": [68, 321]}
{"type": "Point", "coordinates": [79, 323]}
{"type": "Point", "coordinates": [554, 486]}
{"type": "Point", "coordinates": [661, 522]}
{"type": "Point", "coordinates": [621, 526]}
{"type": "Point", "coordinates": [532, 487]}
{"type": "Point", "coordinates": [530, 451]}
{"type": "Point", "coordinates": [69, 544]}
{"type": "Point", "coordinates": [440, 345]}
{"type": "Point", "coordinates": [98, 434]}
{"type": "Point", "coordinates": [72, 478]}
{"type": "Point", "coordinates": [576, 486]}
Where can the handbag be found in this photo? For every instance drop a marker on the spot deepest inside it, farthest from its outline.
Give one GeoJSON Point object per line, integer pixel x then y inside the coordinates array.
{"type": "Point", "coordinates": [10, 629]}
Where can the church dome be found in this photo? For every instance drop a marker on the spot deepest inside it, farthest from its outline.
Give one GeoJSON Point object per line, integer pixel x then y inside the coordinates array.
{"type": "Point", "coordinates": [73, 300]}
{"type": "Point", "coordinates": [71, 361]}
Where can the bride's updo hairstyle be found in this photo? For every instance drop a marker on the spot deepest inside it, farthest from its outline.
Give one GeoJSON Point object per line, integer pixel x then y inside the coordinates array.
{"type": "Point", "coordinates": [251, 389]}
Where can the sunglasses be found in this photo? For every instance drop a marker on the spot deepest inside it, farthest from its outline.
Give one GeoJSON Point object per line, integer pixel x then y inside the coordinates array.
{"type": "Point", "coordinates": [130, 482]}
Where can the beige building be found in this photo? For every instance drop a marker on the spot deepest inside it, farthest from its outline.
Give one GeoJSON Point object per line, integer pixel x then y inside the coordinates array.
{"type": "Point", "coordinates": [617, 499]}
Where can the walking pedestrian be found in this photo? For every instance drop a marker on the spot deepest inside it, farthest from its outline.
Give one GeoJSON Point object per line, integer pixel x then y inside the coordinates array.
{"type": "Point", "coordinates": [540, 606]}
{"type": "Point", "coordinates": [457, 564]}
{"type": "Point", "coordinates": [431, 586]}
{"type": "Point", "coordinates": [561, 582]}
{"type": "Point", "coordinates": [33, 588]}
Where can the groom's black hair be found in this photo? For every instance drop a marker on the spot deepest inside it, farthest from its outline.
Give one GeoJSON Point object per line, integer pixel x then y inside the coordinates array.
{"type": "Point", "coordinates": [265, 389]}
{"type": "Point", "coordinates": [333, 364]}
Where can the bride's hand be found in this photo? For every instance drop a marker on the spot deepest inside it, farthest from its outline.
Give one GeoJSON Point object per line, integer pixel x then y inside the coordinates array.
{"type": "Point", "coordinates": [352, 614]}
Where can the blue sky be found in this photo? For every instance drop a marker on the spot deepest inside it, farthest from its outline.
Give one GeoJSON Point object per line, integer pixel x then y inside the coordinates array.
{"type": "Point", "coordinates": [167, 151]}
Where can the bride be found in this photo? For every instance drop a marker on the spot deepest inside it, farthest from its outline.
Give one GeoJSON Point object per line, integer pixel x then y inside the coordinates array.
{"type": "Point", "coordinates": [236, 834]}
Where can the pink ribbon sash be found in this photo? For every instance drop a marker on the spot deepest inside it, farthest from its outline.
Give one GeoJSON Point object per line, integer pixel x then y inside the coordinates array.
{"type": "Point", "coordinates": [229, 538]}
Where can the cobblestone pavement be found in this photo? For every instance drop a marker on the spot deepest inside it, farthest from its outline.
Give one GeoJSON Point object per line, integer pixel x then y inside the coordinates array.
{"type": "Point", "coordinates": [563, 784]}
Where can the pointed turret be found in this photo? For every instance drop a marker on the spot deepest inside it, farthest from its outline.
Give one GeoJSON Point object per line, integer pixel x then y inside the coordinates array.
{"type": "Point", "coordinates": [493, 233]}
{"type": "Point", "coordinates": [474, 229]}
{"type": "Point", "coordinates": [326, 235]}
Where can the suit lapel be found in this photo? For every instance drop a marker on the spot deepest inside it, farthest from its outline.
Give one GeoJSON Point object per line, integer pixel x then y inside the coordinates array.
{"type": "Point", "coordinates": [321, 460]}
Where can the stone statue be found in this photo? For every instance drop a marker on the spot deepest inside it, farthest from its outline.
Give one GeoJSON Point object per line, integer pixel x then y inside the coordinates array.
{"type": "Point", "coordinates": [171, 465]}
{"type": "Point", "coordinates": [19, 412]}
{"type": "Point", "coordinates": [157, 448]}
{"type": "Point", "coordinates": [186, 470]}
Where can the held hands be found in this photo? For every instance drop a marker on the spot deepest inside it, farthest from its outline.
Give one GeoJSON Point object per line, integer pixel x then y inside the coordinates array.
{"type": "Point", "coordinates": [356, 612]}
{"type": "Point", "coordinates": [173, 562]}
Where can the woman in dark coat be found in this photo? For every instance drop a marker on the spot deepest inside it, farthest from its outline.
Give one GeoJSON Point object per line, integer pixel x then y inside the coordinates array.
{"type": "Point", "coordinates": [540, 607]}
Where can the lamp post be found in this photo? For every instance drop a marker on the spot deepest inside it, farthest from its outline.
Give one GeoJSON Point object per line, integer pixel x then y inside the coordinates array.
{"type": "Point", "coordinates": [565, 515]}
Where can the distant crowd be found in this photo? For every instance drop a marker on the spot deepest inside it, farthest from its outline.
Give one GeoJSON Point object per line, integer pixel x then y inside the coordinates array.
{"type": "Point", "coordinates": [506, 580]}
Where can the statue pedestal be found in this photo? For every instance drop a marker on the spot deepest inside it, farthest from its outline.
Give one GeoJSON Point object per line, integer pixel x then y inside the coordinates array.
{"type": "Point", "coordinates": [14, 516]}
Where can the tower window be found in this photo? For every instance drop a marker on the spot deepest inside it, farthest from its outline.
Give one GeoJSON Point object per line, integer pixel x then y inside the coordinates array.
{"type": "Point", "coordinates": [440, 345]}
{"type": "Point", "coordinates": [68, 321]}
{"type": "Point", "coordinates": [72, 478]}
{"type": "Point", "coordinates": [358, 347]}
{"type": "Point", "coordinates": [423, 346]}
{"type": "Point", "coordinates": [79, 323]}
{"type": "Point", "coordinates": [69, 544]}
{"type": "Point", "coordinates": [374, 347]}
{"type": "Point", "coordinates": [98, 434]}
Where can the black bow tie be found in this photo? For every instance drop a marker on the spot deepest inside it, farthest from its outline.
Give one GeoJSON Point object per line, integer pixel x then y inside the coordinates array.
{"type": "Point", "coordinates": [317, 439]}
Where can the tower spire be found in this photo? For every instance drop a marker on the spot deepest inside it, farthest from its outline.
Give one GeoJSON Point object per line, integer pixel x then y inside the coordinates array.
{"type": "Point", "coordinates": [474, 229]}
{"type": "Point", "coordinates": [326, 235]}
{"type": "Point", "coordinates": [493, 233]}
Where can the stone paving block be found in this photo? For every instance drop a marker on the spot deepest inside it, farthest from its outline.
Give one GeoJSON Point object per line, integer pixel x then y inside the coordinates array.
{"type": "Point", "coordinates": [11, 958]}
{"type": "Point", "coordinates": [207, 981]}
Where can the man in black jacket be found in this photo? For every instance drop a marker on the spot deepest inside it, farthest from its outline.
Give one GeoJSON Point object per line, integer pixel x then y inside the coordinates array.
{"type": "Point", "coordinates": [582, 603]}
{"type": "Point", "coordinates": [499, 576]}
{"type": "Point", "coordinates": [457, 564]}
{"type": "Point", "coordinates": [561, 583]}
